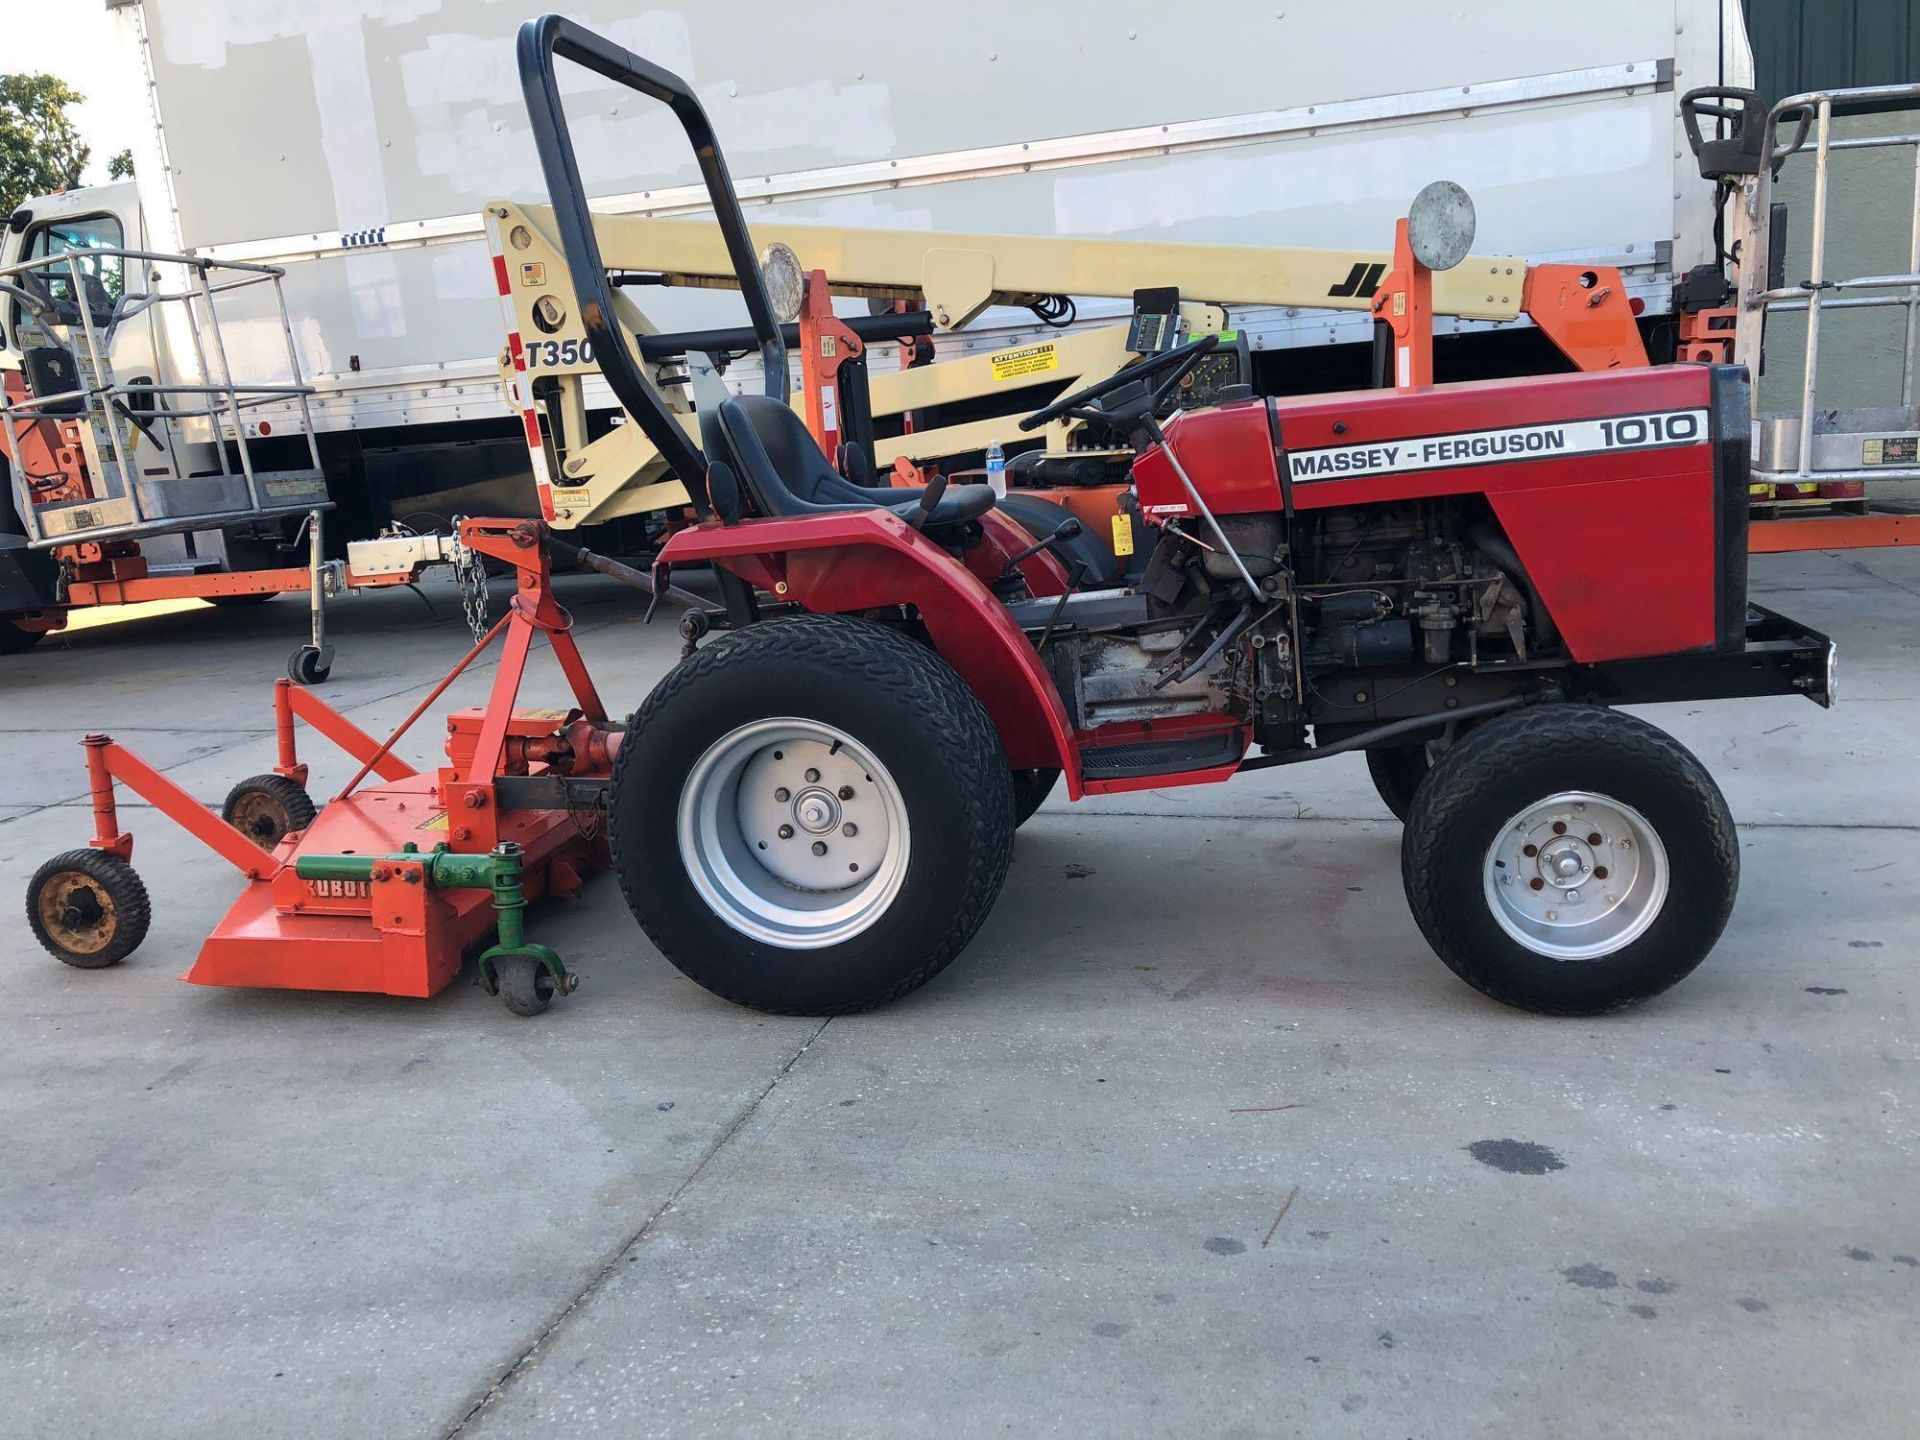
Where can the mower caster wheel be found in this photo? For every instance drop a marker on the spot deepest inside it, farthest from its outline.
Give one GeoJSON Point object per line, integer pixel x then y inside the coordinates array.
{"type": "Point", "coordinates": [268, 808]}
{"type": "Point", "coordinates": [524, 984]}
{"type": "Point", "coordinates": [310, 666]}
{"type": "Point", "coordinates": [88, 908]}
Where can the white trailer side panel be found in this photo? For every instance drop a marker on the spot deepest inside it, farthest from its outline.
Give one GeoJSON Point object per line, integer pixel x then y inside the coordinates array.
{"type": "Point", "coordinates": [356, 140]}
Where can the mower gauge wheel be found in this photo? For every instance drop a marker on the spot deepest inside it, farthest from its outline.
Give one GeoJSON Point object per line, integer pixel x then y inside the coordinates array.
{"type": "Point", "coordinates": [268, 808]}
{"type": "Point", "coordinates": [524, 983]}
{"type": "Point", "coordinates": [88, 908]}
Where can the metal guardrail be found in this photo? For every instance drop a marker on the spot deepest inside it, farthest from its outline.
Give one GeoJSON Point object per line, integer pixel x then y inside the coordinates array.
{"type": "Point", "coordinates": [124, 502]}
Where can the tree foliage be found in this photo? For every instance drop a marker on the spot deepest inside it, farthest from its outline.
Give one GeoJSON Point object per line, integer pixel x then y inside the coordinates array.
{"type": "Point", "coordinates": [40, 147]}
{"type": "Point", "coordinates": [120, 167]}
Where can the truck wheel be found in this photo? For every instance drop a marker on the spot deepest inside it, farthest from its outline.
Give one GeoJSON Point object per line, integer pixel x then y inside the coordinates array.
{"type": "Point", "coordinates": [1570, 860]}
{"type": "Point", "coordinates": [1030, 789]}
{"type": "Point", "coordinates": [1397, 771]}
{"type": "Point", "coordinates": [88, 908]}
{"type": "Point", "coordinates": [15, 638]}
{"type": "Point", "coordinates": [811, 817]}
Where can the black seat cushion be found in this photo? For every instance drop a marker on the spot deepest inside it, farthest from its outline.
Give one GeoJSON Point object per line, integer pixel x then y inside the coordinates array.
{"type": "Point", "coordinates": [786, 472]}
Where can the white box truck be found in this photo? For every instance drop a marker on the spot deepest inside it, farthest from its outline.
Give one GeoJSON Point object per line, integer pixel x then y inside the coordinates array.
{"type": "Point", "coordinates": [354, 142]}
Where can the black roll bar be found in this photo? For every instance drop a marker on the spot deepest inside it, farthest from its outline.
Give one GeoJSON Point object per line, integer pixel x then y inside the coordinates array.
{"type": "Point", "coordinates": [542, 39]}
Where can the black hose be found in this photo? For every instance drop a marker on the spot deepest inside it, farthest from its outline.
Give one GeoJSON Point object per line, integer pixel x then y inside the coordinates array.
{"type": "Point", "coordinates": [1232, 628]}
{"type": "Point", "coordinates": [1366, 739]}
{"type": "Point", "coordinates": [1497, 548]}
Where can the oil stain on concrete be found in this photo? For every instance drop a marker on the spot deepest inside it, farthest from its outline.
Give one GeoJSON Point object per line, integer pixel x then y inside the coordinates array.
{"type": "Point", "coordinates": [1516, 1157]}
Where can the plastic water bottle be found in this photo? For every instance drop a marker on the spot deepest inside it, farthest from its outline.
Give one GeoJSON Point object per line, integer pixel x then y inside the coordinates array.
{"type": "Point", "coordinates": [997, 468]}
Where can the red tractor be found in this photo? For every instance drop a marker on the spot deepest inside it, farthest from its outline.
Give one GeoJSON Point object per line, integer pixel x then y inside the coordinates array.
{"type": "Point", "coordinates": [814, 811]}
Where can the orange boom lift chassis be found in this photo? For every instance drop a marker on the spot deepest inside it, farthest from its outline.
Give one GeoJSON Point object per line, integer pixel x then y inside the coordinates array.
{"type": "Point", "coordinates": [388, 887]}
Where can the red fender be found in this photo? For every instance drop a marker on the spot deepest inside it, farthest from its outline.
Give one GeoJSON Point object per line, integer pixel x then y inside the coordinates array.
{"type": "Point", "coordinates": [869, 559]}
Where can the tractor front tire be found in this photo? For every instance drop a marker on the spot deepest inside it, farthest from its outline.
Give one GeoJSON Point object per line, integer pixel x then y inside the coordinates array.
{"type": "Point", "coordinates": [812, 816]}
{"type": "Point", "coordinates": [1396, 771]}
{"type": "Point", "coordinates": [1570, 860]}
{"type": "Point", "coordinates": [1030, 790]}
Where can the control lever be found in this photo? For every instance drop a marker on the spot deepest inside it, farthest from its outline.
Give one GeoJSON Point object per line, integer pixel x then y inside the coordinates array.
{"type": "Point", "coordinates": [929, 501]}
{"type": "Point", "coordinates": [1067, 529]}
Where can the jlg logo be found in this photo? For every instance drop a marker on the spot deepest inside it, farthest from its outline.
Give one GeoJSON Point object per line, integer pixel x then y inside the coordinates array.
{"type": "Point", "coordinates": [1362, 280]}
{"type": "Point", "coordinates": [340, 889]}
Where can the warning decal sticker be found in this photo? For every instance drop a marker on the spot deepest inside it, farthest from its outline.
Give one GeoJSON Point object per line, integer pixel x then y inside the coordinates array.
{"type": "Point", "coordinates": [1492, 447]}
{"type": "Point", "coordinates": [1030, 360]}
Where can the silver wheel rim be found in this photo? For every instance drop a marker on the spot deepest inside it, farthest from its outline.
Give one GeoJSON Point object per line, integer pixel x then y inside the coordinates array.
{"type": "Point", "coordinates": [1576, 876]}
{"type": "Point", "coordinates": [793, 833]}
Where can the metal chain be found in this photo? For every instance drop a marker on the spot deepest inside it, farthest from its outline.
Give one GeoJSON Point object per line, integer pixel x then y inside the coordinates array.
{"type": "Point", "coordinates": [470, 574]}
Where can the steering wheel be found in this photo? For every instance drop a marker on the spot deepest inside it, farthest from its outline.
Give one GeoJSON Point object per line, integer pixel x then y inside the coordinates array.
{"type": "Point", "coordinates": [1174, 364]}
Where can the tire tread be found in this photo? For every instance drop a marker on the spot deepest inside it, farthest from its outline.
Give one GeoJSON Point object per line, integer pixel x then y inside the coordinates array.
{"type": "Point", "coordinates": [1492, 752]}
{"type": "Point", "coordinates": [976, 769]}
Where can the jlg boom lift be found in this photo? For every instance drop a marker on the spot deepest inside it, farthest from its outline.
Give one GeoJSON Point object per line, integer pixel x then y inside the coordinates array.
{"type": "Point", "coordinates": [949, 280]}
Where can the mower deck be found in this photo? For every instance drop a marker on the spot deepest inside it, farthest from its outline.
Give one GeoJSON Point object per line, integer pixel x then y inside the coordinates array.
{"type": "Point", "coordinates": [388, 888]}
{"type": "Point", "coordinates": [387, 937]}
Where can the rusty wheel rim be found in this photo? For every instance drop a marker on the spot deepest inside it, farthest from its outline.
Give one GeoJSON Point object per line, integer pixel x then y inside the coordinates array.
{"type": "Point", "coordinates": [261, 818]}
{"type": "Point", "coordinates": [78, 912]}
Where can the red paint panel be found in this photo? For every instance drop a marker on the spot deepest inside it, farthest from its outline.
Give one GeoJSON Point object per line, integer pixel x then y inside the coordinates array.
{"type": "Point", "coordinates": [862, 559]}
{"type": "Point", "coordinates": [1620, 543]}
{"type": "Point", "coordinates": [1228, 453]}
{"type": "Point", "coordinates": [500, 274]}
{"type": "Point", "coordinates": [1307, 422]}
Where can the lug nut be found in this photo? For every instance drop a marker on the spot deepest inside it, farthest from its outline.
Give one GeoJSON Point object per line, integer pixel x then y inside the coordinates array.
{"type": "Point", "coordinates": [1599, 872]}
{"type": "Point", "coordinates": [786, 832]}
{"type": "Point", "coordinates": [819, 847]}
{"type": "Point", "coordinates": [846, 792]}
{"type": "Point", "coordinates": [783, 794]}
{"type": "Point", "coordinates": [813, 777]}
{"type": "Point", "coordinates": [1559, 827]}
{"type": "Point", "coordinates": [1596, 838]}
{"type": "Point", "coordinates": [849, 829]}
{"type": "Point", "coordinates": [1529, 850]}
{"type": "Point", "coordinates": [1537, 883]}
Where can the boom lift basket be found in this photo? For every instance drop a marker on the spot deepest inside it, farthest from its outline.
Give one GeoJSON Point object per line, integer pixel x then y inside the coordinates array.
{"type": "Point", "coordinates": [97, 455]}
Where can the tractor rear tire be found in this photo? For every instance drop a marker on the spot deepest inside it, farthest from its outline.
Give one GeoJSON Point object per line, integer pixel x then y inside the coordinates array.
{"type": "Point", "coordinates": [812, 816]}
{"type": "Point", "coordinates": [1570, 860]}
{"type": "Point", "coordinates": [1030, 790]}
{"type": "Point", "coordinates": [88, 908]}
{"type": "Point", "coordinates": [1397, 771]}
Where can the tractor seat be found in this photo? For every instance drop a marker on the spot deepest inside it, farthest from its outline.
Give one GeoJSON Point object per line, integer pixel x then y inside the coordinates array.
{"type": "Point", "coordinates": [786, 473]}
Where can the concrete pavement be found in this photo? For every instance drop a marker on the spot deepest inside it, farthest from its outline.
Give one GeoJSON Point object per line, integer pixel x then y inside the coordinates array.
{"type": "Point", "coordinates": [1197, 1138]}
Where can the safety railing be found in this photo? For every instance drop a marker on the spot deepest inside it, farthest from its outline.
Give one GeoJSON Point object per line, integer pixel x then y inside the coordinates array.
{"type": "Point", "coordinates": [200, 422]}
{"type": "Point", "coordinates": [1815, 445]}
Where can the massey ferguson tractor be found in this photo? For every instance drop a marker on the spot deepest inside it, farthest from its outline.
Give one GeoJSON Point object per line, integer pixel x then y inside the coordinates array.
{"type": "Point", "coordinates": [815, 810]}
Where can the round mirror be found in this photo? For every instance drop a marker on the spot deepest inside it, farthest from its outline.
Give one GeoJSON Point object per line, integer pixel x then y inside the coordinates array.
{"type": "Point", "coordinates": [780, 272]}
{"type": "Point", "coordinates": [1440, 225]}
